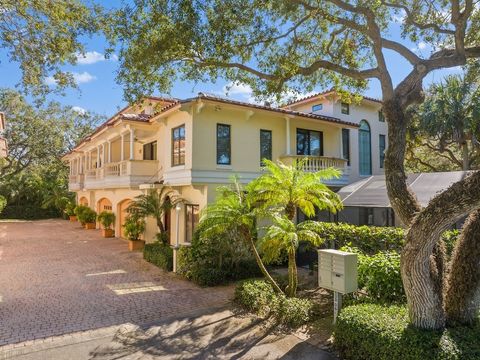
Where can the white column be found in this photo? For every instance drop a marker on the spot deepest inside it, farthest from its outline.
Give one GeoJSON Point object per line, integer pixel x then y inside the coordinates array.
{"type": "Point", "coordinates": [287, 132]}
{"type": "Point", "coordinates": [98, 155]}
{"type": "Point", "coordinates": [81, 164]}
{"type": "Point", "coordinates": [71, 167]}
{"type": "Point", "coordinates": [132, 138]}
{"type": "Point", "coordinates": [104, 155]}
{"type": "Point", "coordinates": [122, 147]}
{"type": "Point", "coordinates": [109, 151]}
{"type": "Point", "coordinates": [78, 166]}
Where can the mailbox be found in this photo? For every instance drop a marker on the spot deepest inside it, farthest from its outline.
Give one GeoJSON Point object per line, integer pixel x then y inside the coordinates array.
{"type": "Point", "coordinates": [337, 271]}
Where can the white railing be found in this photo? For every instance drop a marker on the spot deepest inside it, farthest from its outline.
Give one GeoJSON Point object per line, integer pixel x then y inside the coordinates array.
{"type": "Point", "coordinates": [113, 169]}
{"type": "Point", "coordinates": [91, 174]}
{"type": "Point", "coordinates": [316, 163]}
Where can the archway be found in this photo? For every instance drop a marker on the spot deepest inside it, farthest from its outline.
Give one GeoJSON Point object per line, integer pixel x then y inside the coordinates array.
{"type": "Point", "coordinates": [122, 215]}
{"type": "Point", "coordinates": [365, 148]}
{"type": "Point", "coordinates": [83, 201]}
{"type": "Point", "coordinates": [104, 205]}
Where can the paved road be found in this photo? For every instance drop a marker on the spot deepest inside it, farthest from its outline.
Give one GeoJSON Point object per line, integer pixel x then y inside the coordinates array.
{"type": "Point", "coordinates": [214, 333]}
{"type": "Point", "coordinates": [56, 278]}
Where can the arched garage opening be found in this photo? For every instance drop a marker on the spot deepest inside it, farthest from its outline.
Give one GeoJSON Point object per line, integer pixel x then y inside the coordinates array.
{"type": "Point", "coordinates": [83, 201]}
{"type": "Point", "coordinates": [104, 205]}
{"type": "Point", "coordinates": [121, 216]}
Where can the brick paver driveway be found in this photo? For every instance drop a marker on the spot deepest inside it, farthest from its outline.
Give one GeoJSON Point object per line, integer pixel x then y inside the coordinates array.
{"type": "Point", "coordinates": [56, 278]}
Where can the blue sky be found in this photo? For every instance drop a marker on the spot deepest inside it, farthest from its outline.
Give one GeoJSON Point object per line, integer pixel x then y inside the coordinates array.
{"type": "Point", "coordinates": [99, 92]}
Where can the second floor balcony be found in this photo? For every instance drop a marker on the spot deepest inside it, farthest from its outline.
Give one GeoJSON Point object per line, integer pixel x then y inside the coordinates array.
{"type": "Point", "coordinates": [317, 163]}
{"type": "Point", "coordinates": [125, 173]}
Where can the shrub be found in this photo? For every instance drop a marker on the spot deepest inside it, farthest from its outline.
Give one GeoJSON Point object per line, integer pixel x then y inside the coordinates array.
{"type": "Point", "coordinates": [184, 261]}
{"type": "Point", "coordinates": [370, 331]}
{"type": "Point", "coordinates": [134, 227]}
{"type": "Point", "coordinates": [369, 239]}
{"type": "Point", "coordinates": [85, 214]}
{"type": "Point", "coordinates": [69, 209]}
{"type": "Point", "coordinates": [106, 218]}
{"type": "Point", "coordinates": [218, 259]}
{"type": "Point", "coordinates": [3, 203]}
{"type": "Point", "coordinates": [160, 255]}
{"type": "Point", "coordinates": [257, 296]}
{"type": "Point", "coordinates": [379, 275]}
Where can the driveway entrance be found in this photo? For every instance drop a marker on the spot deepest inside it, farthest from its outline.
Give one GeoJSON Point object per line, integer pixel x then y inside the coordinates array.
{"type": "Point", "coordinates": [56, 278]}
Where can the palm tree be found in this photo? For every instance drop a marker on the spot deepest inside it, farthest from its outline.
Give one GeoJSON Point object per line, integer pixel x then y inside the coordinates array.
{"type": "Point", "coordinates": [156, 203]}
{"type": "Point", "coordinates": [286, 188]}
{"type": "Point", "coordinates": [284, 234]}
{"type": "Point", "coordinates": [233, 213]}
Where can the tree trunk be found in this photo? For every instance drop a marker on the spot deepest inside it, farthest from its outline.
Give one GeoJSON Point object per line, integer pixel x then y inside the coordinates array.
{"type": "Point", "coordinates": [422, 274]}
{"type": "Point", "coordinates": [262, 267]}
{"type": "Point", "coordinates": [292, 273]}
{"type": "Point", "coordinates": [462, 293]}
{"type": "Point", "coordinates": [421, 262]}
{"type": "Point", "coordinates": [465, 157]}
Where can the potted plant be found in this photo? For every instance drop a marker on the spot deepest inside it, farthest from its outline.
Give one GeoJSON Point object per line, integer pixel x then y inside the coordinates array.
{"type": "Point", "coordinates": [133, 228]}
{"type": "Point", "coordinates": [106, 218]}
{"type": "Point", "coordinates": [70, 211]}
{"type": "Point", "coordinates": [79, 212]}
{"type": "Point", "coordinates": [89, 217]}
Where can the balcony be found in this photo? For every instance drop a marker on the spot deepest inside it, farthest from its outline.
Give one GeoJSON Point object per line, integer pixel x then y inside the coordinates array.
{"type": "Point", "coordinates": [128, 173]}
{"type": "Point", "coordinates": [317, 163]}
{"type": "Point", "coordinates": [75, 182]}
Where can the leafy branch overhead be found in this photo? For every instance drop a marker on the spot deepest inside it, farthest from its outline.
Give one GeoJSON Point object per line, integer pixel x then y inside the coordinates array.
{"type": "Point", "coordinates": [299, 44]}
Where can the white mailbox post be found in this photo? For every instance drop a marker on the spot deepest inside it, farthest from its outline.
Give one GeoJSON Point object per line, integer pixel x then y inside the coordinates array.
{"type": "Point", "coordinates": [337, 271]}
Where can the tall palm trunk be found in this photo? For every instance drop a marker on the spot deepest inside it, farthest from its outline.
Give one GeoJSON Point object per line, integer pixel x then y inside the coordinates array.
{"type": "Point", "coordinates": [292, 273]}
{"type": "Point", "coordinates": [262, 267]}
{"type": "Point", "coordinates": [292, 261]}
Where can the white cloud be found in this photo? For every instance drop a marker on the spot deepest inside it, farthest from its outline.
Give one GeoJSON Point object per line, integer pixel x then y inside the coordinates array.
{"type": "Point", "coordinates": [420, 46]}
{"type": "Point", "coordinates": [237, 89]}
{"type": "Point", "coordinates": [79, 110]}
{"type": "Point", "coordinates": [92, 57]}
{"type": "Point", "coordinates": [49, 80]}
{"type": "Point", "coordinates": [80, 78]}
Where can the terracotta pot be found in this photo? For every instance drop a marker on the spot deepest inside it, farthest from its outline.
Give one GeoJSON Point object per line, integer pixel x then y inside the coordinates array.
{"type": "Point", "coordinates": [107, 233]}
{"type": "Point", "coordinates": [73, 218]}
{"type": "Point", "coordinates": [136, 245]}
{"type": "Point", "coordinates": [90, 226]}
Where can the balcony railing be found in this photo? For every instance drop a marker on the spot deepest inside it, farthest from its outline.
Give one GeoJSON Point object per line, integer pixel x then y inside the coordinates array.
{"type": "Point", "coordinates": [75, 182]}
{"type": "Point", "coordinates": [123, 173]}
{"type": "Point", "coordinates": [316, 163]}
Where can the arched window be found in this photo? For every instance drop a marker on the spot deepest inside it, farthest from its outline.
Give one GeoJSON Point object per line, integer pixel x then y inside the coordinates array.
{"type": "Point", "coordinates": [365, 148]}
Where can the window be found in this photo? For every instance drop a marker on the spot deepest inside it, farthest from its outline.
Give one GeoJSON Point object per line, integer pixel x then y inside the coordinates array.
{"type": "Point", "coordinates": [178, 146]}
{"type": "Point", "coordinates": [317, 107]}
{"type": "Point", "coordinates": [364, 148]}
{"type": "Point", "coordinates": [150, 151]}
{"type": "Point", "coordinates": [223, 145]}
{"type": "Point", "coordinates": [309, 142]}
{"type": "Point", "coordinates": [381, 118]}
{"type": "Point", "coordinates": [345, 108]}
{"type": "Point", "coordinates": [265, 145]}
{"type": "Point", "coordinates": [381, 148]}
{"type": "Point", "coordinates": [191, 221]}
{"type": "Point", "coordinates": [346, 145]}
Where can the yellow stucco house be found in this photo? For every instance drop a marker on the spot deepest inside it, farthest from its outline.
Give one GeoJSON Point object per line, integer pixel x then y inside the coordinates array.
{"type": "Point", "coordinates": [196, 144]}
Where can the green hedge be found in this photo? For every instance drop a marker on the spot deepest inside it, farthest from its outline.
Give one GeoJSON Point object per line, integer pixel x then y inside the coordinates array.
{"type": "Point", "coordinates": [369, 239]}
{"type": "Point", "coordinates": [379, 275]}
{"type": "Point", "coordinates": [160, 255]}
{"type": "Point", "coordinates": [370, 331]}
{"type": "Point", "coordinates": [258, 297]}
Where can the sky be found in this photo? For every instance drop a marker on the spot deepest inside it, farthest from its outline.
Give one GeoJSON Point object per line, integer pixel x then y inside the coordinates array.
{"type": "Point", "coordinates": [99, 92]}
